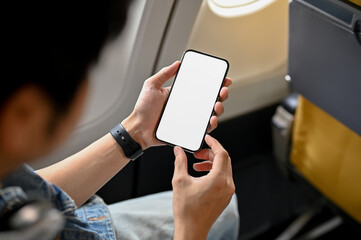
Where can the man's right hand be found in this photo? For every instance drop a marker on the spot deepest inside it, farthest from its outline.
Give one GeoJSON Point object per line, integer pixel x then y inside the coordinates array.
{"type": "Point", "coordinates": [198, 202]}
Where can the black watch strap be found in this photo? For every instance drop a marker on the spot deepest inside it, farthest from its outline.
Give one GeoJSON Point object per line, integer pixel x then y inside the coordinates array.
{"type": "Point", "coordinates": [131, 148]}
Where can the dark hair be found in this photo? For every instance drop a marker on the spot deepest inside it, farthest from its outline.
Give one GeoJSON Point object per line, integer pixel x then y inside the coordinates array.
{"type": "Point", "coordinates": [57, 55]}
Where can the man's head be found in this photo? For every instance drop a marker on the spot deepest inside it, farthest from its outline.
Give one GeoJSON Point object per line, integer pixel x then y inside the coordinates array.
{"type": "Point", "coordinates": [38, 109]}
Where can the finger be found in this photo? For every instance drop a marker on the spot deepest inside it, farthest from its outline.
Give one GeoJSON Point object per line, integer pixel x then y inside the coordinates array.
{"type": "Point", "coordinates": [204, 154]}
{"type": "Point", "coordinates": [220, 161]}
{"type": "Point", "coordinates": [230, 167]}
{"type": "Point", "coordinates": [164, 74]}
{"type": "Point", "coordinates": [213, 144]}
{"type": "Point", "coordinates": [223, 95]}
{"type": "Point", "coordinates": [180, 163]}
{"type": "Point", "coordinates": [227, 82]}
{"type": "Point", "coordinates": [205, 166]}
{"type": "Point", "coordinates": [166, 91]}
{"type": "Point", "coordinates": [218, 109]}
{"type": "Point", "coordinates": [213, 123]}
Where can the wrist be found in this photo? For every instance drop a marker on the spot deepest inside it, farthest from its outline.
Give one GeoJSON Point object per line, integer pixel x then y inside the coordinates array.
{"type": "Point", "coordinates": [190, 232]}
{"type": "Point", "coordinates": [132, 126]}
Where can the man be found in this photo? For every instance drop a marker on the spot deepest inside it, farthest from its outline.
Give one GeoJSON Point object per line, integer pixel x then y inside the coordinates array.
{"type": "Point", "coordinates": [37, 114]}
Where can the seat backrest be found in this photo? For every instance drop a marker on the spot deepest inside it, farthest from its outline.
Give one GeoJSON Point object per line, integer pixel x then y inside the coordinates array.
{"type": "Point", "coordinates": [325, 57]}
{"type": "Point", "coordinates": [325, 67]}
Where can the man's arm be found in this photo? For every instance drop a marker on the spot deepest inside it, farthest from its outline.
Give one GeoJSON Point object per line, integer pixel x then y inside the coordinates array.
{"type": "Point", "coordinates": [84, 173]}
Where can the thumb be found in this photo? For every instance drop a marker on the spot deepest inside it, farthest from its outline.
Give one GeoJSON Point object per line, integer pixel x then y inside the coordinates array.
{"type": "Point", "coordinates": [180, 163]}
{"type": "Point", "coordinates": [164, 74]}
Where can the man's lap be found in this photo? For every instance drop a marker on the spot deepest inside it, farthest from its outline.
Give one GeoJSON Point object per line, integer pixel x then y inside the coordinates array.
{"type": "Point", "coordinates": [151, 217]}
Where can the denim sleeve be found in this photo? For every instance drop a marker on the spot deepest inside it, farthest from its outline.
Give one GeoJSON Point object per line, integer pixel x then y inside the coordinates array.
{"type": "Point", "coordinates": [91, 221]}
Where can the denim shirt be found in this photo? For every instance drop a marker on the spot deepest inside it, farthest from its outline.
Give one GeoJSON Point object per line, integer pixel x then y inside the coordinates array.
{"type": "Point", "coordinates": [91, 221]}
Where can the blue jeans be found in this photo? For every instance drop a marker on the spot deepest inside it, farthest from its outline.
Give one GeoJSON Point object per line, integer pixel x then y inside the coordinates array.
{"type": "Point", "coordinates": [151, 217]}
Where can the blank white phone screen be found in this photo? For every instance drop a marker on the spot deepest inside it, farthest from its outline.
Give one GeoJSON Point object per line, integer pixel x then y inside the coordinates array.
{"type": "Point", "coordinates": [191, 101]}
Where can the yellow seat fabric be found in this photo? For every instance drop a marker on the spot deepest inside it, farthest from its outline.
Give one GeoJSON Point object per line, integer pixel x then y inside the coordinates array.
{"type": "Point", "coordinates": [328, 155]}
{"type": "Point", "coordinates": [357, 2]}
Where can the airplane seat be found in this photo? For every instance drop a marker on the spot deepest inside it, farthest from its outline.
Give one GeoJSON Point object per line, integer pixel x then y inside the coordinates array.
{"type": "Point", "coordinates": [317, 129]}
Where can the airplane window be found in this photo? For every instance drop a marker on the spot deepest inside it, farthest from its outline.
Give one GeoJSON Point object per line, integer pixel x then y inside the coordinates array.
{"type": "Point", "coordinates": [233, 8]}
{"type": "Point", "coordinates": [252, 35]}
{"type": "Point", "coordinates": [234, 3]}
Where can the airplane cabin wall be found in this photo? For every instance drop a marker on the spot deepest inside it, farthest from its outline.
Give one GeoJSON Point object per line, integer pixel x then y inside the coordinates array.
{"type": "Point", "coordinates": [156, 34]}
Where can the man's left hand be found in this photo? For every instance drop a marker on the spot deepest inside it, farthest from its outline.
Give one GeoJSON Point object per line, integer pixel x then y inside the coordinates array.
{"type": "Point", "coordinates": [141, 124]}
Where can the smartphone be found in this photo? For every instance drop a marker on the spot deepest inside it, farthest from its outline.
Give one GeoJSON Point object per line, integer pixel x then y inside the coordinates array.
{"type": "Point", "coordinates": [190, 104]}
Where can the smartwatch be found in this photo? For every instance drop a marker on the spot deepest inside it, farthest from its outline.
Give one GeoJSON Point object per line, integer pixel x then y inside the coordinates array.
{"type": "Point", "coordinates": [131, 148]}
